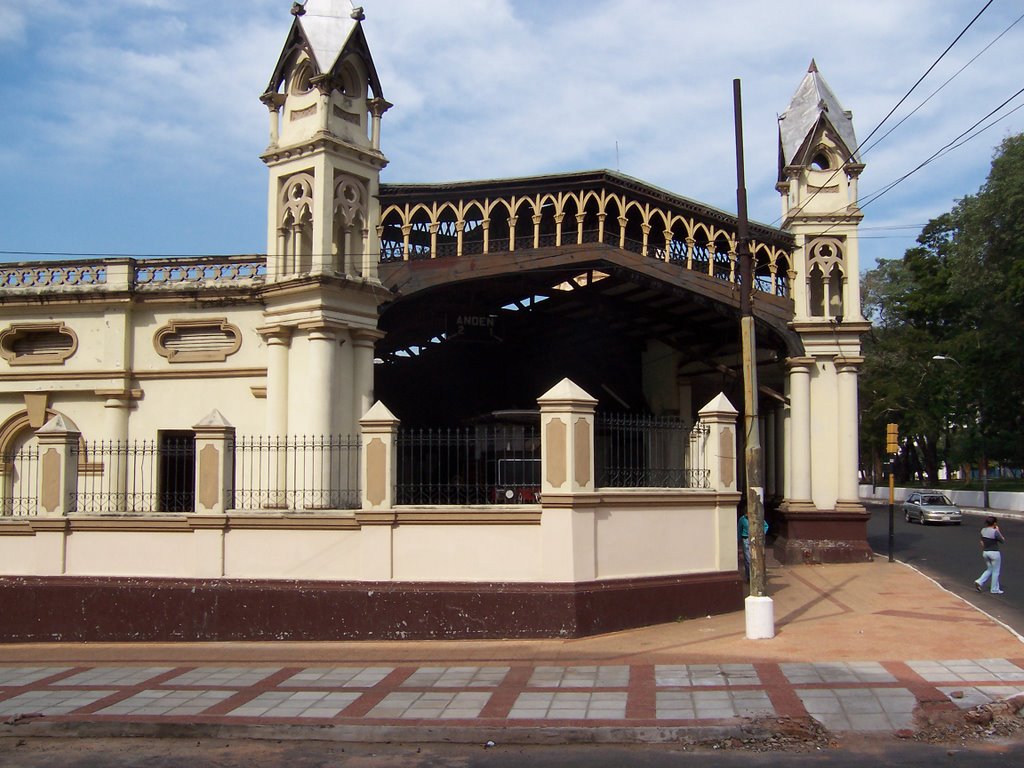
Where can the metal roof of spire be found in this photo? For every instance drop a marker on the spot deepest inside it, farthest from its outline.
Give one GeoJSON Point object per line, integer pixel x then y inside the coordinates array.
{"type": "Point", "coordinates": [812, 103]}
{"type": "Point", "coordinates": [327, 29]}
{"type": "Point", "coordinates": [328, 24]}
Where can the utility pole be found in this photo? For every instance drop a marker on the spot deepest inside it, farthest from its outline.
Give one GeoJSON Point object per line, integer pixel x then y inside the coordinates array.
{"type": "Point", "coordinates": [892, 447]}
{"type": "Point", "coordinates": [760, 612]}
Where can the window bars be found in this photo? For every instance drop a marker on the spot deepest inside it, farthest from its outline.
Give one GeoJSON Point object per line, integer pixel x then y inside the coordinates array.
{"type": "Point", "coordinates": [635, 451]}
{"type": "Point", "coordinates": [116, 476]}
{"type": "Point", "coordinates": [483, 464]}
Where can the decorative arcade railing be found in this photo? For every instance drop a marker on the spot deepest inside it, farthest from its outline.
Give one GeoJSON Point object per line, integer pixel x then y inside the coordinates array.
{"type": "Point", "coordinates": [454, 221]}
{"type": "Point", "coordinates": [135, 274]}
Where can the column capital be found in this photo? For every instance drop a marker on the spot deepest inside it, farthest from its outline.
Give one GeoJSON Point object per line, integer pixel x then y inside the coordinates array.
{"type": "Point", "coordinates": [845, 364]}
{"type": "Point", "coordinates": [799, 364]}
{"type": "Point", "coordinates": [379, 106]}
{"type": "Point", "coordinates": [276, 334]}
{"type": "Point", "coordinates": [364, 336]}
{"type": "Point", "coordinates": [324, 330]}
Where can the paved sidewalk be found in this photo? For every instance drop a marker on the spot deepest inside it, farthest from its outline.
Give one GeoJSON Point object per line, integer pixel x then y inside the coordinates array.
{"type": "Point", "coordinates": [859, 648]}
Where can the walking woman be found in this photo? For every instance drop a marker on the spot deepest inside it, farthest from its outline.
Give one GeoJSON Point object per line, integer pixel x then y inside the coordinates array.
{"type": "Point", "coordinates": [991, 538]}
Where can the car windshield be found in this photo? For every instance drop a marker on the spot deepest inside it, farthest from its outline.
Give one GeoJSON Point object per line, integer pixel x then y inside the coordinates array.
{"type": "Point", "coordinates": [935, 500]}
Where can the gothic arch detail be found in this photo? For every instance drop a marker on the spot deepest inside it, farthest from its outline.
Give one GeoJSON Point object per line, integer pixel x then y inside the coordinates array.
{"type": "Point", "coordinates": [826, 277]}
{"type": "Point", "coordinates": [295, 224]}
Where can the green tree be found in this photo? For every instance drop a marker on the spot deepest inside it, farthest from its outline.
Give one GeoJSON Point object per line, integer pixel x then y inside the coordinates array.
{"type": "Point", "coordinates": [945, 357]}
{"type": "Point", "coordinates": [989, 275]}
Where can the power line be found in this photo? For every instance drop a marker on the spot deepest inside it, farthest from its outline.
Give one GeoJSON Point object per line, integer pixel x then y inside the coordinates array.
{"type": "Point", "coordinates": [855, 150]}
{"type": "Point", "coordinates": [948, 147]}
{"type": "Point", "coordinates": [866, 149]}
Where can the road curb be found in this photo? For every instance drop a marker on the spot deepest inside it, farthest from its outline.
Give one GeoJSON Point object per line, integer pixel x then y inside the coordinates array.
{"type": "Point", "coordinates": [404, 734]}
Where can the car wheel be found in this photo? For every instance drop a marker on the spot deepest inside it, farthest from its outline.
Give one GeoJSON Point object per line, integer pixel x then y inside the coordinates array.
{"type": "Point", "coordinates": [906, 515]}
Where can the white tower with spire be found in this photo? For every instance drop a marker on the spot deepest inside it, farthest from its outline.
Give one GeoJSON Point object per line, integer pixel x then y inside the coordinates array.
{"type": "Point", "coordinates": [819, 165]}
{"type": "Point", "coordinates": [325, 104]}
{"type": "Point", "coordinates": [324, 157]}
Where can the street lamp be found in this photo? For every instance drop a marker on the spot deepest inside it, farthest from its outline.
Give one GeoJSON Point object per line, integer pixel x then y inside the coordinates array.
{"type": "Point", "coordinates": [983, 470]}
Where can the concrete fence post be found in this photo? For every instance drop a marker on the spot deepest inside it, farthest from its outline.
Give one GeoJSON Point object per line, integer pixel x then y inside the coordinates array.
{"type": "Point", "coordinates": [215, 445]}
{"type": "Point", "coordinates": [567, 439]}
{"type": "Point", "coordinates": [379, 432]}
{"type": "Point", "coordinates": [58, 467]}
{"type": "Point", "coordinates": [719, 443]}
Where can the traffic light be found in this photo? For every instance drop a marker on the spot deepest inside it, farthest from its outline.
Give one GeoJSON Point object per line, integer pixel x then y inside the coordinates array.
{"type": "Point", "coordinates": [892, 439]}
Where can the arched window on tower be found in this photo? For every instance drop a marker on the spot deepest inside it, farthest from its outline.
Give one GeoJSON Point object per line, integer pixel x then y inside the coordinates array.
{"type": "Point", "coordinates": [349, 242]}
{"type": "Point", "coordinates": [295, 231]}
{"type": "Point", "coordinates": [825, 277]}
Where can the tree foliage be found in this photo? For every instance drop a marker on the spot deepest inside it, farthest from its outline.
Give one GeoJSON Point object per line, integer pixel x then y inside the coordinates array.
{"type": "Point", "coordinates": [945, 357]}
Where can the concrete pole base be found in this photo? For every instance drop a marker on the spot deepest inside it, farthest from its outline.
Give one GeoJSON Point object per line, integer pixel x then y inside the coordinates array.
{"type": "Point", "coordinates": [760, 614]}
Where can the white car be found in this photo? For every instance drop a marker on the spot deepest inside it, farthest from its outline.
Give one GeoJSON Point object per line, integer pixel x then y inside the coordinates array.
{"type": "Point", "coordinates": [931, 507]}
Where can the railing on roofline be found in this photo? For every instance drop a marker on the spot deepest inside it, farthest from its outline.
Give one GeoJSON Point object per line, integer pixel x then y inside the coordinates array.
{"type": "Point", "coordinates": [19, 482]}
{"type": "Point", "coordinates": [124, 273]}
{"type": "Point", "coordinates": [52, 275]}
{"type": "Point", "coordinates": [638, 451]}
{"type": "Point", "coordinates": [482, 464]}
{"type": "Point", "coordinates": [203, 270]}
{"type": "Point", "coordinates": [296, 472]}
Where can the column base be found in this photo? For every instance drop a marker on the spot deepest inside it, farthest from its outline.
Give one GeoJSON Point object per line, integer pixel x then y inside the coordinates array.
{"type": "Point", "coordinates": [822, 536]}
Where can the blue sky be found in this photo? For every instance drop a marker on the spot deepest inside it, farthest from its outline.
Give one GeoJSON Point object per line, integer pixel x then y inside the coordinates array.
{"type": "Point", "coordinates": [134, 127]}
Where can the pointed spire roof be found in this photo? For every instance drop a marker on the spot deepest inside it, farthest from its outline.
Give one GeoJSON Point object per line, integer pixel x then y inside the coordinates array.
{"type": "Point", "coordinates": [812, 104]}
{"type": "Point", "coordinates": [326, 29]}
{"type": "Point", "coordinates": [327, 24]}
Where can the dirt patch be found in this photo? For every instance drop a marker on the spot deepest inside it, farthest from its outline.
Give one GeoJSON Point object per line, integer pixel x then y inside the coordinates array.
{"type": "Point", "coordinates": [997, 720]}
{"type": "Point", "coordinates": [776, 734]}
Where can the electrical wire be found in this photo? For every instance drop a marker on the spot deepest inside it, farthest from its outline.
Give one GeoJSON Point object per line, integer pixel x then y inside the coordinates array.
{"type": "Point", "coordinates": [875, 130]}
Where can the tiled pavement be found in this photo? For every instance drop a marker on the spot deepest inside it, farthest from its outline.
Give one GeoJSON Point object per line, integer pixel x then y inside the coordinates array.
{"type": "Point", "coordinates": [843, 696]}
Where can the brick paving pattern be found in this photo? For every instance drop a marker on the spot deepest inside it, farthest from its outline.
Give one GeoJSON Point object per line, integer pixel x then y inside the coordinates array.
{"type": "Point", "coordinates": [843, 696]}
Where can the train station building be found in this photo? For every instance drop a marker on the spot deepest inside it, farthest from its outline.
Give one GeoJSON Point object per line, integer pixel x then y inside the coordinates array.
{"type": "Point", "coordinates": [498, 408]}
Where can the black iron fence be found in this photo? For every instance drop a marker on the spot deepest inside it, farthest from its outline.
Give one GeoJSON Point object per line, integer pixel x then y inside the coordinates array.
{"type": "Point", "coordinates": [634, 451]}
{"type": "Point", "coordinates": [484, 464]}
{"type": "Point", "coordinates": [136, 476]}
{"type": "Point", "coordinates": [296, 472]}
{"type": "Point", "coordinates": [19, 482]}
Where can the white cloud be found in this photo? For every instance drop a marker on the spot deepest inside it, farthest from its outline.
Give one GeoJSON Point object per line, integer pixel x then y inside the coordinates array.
{"type": "Point", "coordinates": [12, 25]}
{"type": "Point", "coordinates": [486, 88]}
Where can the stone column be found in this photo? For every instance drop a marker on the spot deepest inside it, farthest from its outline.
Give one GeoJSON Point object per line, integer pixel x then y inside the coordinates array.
{"type": "Point", "coordinates": [377, 109]}
{"type": "Point", "coordinates": [58, 467]}
{"type": "Point", "coordinates": [779, 417]}
{"type": "Point", "coordinates": [363, 341]}
{"type": "Point", "coordinates": [278, 340]}
{"type": "Point", "coordinates": [800, 432]}
{"type": "Point", "coordinates": [317, 402]}
{"type": "Point", "coordinates": [116, 405]}
{"type": "Point", "coordinates": [770, 457]}
{"type": "Point", "coordinates": [847, 435]}
{"type": "Point", "coordinates": [215, 439]}
{"type": "Point", "coordinates": [684, 385]}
